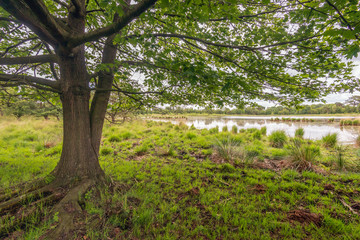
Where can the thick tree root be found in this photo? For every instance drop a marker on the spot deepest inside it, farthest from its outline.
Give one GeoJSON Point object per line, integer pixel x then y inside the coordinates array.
{"type": "Point", "coordinates": [39, 204]}
{"type": "Point", "coordinates": [69, 212]}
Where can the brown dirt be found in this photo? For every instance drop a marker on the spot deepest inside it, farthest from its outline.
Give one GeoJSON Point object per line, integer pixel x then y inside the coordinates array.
{"type": "Point", "coordinates": [305, 217]}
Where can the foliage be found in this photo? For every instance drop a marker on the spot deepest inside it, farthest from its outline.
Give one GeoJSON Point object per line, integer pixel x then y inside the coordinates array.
{"type": "Point", "coordinates": [277, 138]}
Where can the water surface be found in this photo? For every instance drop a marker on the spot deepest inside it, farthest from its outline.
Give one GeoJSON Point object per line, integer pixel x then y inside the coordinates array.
{"type": "Point", "coordinates": [313, 130]}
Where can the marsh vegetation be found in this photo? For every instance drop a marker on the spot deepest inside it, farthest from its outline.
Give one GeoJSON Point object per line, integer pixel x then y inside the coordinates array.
{"type": "Point", "coordinates": [175, 181]}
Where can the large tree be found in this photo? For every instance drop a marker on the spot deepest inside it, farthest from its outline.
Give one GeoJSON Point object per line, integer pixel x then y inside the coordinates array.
{"type": "Point", "coordinates": [205, 52]}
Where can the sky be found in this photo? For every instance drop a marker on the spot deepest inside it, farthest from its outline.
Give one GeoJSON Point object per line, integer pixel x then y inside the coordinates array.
{"type": "Point", "coordinates": [331, 98]}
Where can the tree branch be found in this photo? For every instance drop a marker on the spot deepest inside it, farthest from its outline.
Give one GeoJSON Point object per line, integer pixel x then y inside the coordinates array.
{"type": "Point", "coordinates": [28, 60]}
{"type": "Point", "coordinates": [21, 12]}
{"type": "Point", "coordinates": [31, 81]}
{"type": "Point", "coordinates": [45, 17]}
{"type": "Point", "coordinates": [123, 21]}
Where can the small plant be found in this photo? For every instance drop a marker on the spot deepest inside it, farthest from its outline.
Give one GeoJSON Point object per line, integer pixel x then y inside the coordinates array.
{"type": "Point", "coordinates": [330, 140]}
{"type": "Point", "coordinates": [225, 129]}
{"type": "Point", "coordinates": [234, 129]}
{"type": "Point", "coordinates": [302, 156]}
{"type": "Point", "coordinates": [228, 149]}
{"type": "Point", "coordinates": [299, 133]}
{"type": "Point", "coordinates": [278, 138]}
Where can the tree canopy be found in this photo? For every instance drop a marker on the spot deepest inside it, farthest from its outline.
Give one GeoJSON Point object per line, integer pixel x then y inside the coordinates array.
{"type": "Point", "coordinates": [186, 52]}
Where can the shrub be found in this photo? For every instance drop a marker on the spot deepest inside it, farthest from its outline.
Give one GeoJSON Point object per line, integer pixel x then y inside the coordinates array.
{"type": "Point", "coordinates": [234, 129]}
{"type": "Point", "coordinates": [302, 156]}
{"type": "Point", "coordinates": [278, 138]}
{"type": "Point", "coordinates": [299, 133]}
{"type": "Point", "coordinates": [228, 149]}
{"type": "Point", "coordinates": [263, 130]}
{"type": "Point", "coordinates": [330, 140]}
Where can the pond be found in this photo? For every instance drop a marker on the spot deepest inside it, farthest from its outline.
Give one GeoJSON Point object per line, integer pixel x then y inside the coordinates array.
{"type": "Point", "coordinates": [313, 130]}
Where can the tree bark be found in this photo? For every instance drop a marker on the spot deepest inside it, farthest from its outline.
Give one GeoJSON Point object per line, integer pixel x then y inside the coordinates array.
{"type": "Point", "coordinates": [101, 99]}
{"type": "Point", "coordinates": [79, 159]}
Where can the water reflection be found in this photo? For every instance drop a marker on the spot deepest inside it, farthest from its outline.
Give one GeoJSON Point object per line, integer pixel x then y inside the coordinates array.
{"type": "Point", "coordinates": [313, 130]}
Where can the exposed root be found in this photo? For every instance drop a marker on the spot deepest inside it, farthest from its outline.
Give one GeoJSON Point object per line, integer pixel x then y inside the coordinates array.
{"type": "Point", "coordinates": [69, 212]}
{"type": "Point", "coordinates": [12, 205]}
{"type": "Point", "coordinates": [21, 189]}
{"type": "Point", "coordinates": [35, 203]}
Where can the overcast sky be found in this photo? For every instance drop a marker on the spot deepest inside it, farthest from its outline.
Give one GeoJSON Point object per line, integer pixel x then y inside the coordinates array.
{"type": "Point", "coordinates": [332, 98]}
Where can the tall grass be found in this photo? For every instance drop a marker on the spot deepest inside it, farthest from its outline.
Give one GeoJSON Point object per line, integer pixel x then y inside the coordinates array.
{"type": "Point", "coordinates": [340, 158]}
{"type": "Point", "coordinates": [278, 138]}
{"type": "Point", "coordinates": [302, 156]}
{"type": "Point", "coordinates": [299, 133]}
{"type": "Point", "coordinates": [330, 140]}
{"type": "Point", "coordinates": [228, 149]}
{"type": "Point", "coordinates": [234, 129]}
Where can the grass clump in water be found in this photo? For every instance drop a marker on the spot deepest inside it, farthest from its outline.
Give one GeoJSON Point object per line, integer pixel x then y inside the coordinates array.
{"type": "Point", "coordinates": [278, 139]}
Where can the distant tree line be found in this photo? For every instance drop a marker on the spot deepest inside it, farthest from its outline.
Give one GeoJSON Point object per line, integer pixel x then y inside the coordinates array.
{"type": "Point", "coordinates": [352, 105]}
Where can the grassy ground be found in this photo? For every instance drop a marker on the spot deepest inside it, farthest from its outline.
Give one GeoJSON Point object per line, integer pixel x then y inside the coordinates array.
{"type": "Point", "coordinates": [176, 182]}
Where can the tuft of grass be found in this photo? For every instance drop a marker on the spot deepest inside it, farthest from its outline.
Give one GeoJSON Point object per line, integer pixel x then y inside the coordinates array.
{"type": "Point", "coordinates": [340, 156]}
{"type": "Point", "coordinates": [114, 138]}
{"type": "Point", "coordinates": [106, 151]}
{"type": "Point", "coordinates": [330, 140]}
{"type": "Point", "coordinates": [299, 133]}
{"type": "Point", "coordinates": [225, 129]}
{"type": "Point", "coordinates": [257, 135]}
{"type": "Point", "coordinates": [302, 156]}
{"type": "Point", "coordinates": [234, 129]}
{"type": "Point", "coordinates": [228, 149]}
{"type": "Point", "coordinates": [278, 139]}
{"type": "Point", "coordinates": [263, 130]}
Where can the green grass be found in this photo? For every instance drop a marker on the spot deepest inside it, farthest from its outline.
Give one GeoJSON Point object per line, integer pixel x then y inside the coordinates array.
{"type": "Point", "coordinates": [330, 140]}
{"type": "Point", "coordinates": [171, 187]}
{"type": "Point", "coordinates": [278, 138]}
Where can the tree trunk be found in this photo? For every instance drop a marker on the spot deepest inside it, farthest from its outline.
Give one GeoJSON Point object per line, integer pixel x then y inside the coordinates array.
{"type": "Point", "coordinates": [78, 159]}
{"type": "Point", "coordinates": [101, 99]}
